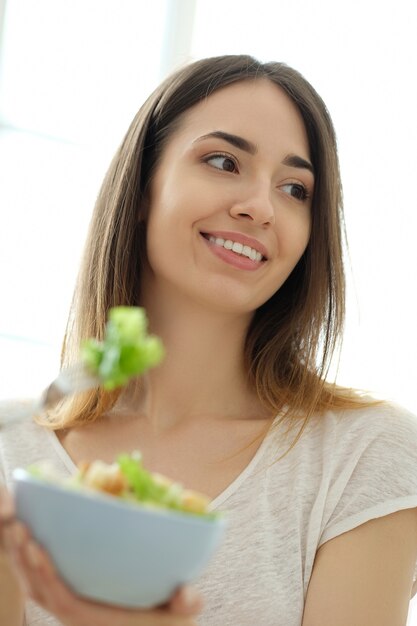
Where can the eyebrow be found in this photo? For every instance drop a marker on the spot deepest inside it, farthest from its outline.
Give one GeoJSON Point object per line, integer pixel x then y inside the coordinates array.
{"type": "Point", "coordinates": [292, 160]}
{"type": "Point", "coordinates": [234, 140]}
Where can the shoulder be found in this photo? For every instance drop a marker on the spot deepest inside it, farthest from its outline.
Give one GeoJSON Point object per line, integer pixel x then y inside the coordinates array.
{"type": "Point", "coordinates": [343, 432]}
{"type": "Point", "coordinates": [373, 415]}
{"type": "Point", "coordinates": [383, 422]}
{"type": "Point", "coordinates": [384, 428]}
{"type": "Point", "coordinates": [370, 469]}
{"type": "Point", "coordinates": [376, 414]}
{"type": "Point", "coordinates": [373, 444]}
{"type": "Point", "coordinates": [351, 466]}
{"type": "Point", "coordinates": [368, 519]}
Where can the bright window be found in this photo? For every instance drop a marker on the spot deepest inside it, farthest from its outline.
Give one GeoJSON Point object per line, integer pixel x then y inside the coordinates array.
{"type": "Point", "coordinates": [72, 76]}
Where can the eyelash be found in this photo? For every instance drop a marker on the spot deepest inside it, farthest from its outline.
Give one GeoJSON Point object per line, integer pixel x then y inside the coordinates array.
{"type": "Point", "coordinates": [298, 186]}
{"type": "Point", "coordinates": [221, 155]}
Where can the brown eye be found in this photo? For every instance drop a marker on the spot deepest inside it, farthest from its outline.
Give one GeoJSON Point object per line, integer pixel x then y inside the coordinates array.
{"type": "Point", "coordinates": [295, 190]}
{"type": "Point", "coordinates": [222, 162]}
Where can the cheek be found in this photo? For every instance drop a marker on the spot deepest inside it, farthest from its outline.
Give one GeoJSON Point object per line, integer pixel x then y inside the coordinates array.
{"type": "Point", "coordinates": [304, 234]}
{"type": "Point", "coordinates": [294, 235]}
{"type": "Point", "coordinates": [166, 232]}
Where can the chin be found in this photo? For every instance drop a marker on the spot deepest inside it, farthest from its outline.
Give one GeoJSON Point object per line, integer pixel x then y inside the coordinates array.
{"type": "Point", "coordinates": [231, 301]}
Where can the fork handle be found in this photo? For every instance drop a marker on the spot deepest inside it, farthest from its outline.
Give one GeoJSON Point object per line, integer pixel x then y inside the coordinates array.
{"type": "Point", "coordinates": [51, 396]}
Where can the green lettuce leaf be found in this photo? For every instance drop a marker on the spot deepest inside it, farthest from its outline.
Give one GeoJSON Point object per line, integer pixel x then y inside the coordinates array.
{"type": "Point", "coordinates": [127, 349]}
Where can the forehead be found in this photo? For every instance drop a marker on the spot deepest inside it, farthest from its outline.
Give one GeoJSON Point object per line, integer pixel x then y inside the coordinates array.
{"type": "Point", "coordinates": [258, 110]}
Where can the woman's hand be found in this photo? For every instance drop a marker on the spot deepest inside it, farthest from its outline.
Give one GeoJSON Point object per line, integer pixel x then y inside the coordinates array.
{"type": "Point", "coordinates": [11, 596]}
{"type": "Point", "coordinates": [41, 583]}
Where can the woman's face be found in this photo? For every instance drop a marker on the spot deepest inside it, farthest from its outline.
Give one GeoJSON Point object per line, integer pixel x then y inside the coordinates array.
{"type": "Point", "coordinates": [230, 200]}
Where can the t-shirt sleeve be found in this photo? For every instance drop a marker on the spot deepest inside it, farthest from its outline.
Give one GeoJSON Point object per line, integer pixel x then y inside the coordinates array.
{"type": "Point", "coordinates": [374, 469]}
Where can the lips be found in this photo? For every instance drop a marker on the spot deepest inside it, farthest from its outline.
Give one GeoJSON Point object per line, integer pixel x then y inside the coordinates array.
{"type": "Point", "coordinates": [239, 238]}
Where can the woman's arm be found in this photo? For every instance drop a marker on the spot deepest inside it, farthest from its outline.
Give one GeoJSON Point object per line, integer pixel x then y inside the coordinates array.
{"type": "Point", "coordinates": [364, 577]}
{"type": "Point", "coordinates": [11, 597]}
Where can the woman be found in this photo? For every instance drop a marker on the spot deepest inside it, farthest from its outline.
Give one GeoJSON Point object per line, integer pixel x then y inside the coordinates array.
{"type": "Point", "coordinates": [221, 215]}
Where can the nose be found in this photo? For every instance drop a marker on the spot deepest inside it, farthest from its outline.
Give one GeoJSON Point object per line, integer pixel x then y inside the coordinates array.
{"type": "Point", "coordinates": [255, 205]}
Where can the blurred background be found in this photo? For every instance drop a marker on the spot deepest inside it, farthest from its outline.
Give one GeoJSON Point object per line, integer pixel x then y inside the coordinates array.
{"type": "Point", "coordinates": [73, 74]}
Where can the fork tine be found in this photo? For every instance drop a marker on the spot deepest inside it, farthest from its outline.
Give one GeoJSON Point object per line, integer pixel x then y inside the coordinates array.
{"type": "Point", "coordinates": [51, 396]}
{"type": "Point", "coordinates": [75, 378]}
{"type": "Point", "coordinates": [70, 380]}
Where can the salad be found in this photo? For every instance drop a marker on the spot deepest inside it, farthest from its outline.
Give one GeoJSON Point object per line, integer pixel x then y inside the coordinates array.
{"type": "Point", "coordinates": [128, 480]}
{"type": "Point", "coordinates": [126, 351]}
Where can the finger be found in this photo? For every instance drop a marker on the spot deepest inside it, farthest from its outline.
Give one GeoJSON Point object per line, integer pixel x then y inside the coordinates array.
{"type": "Point", "coordinates": [41, 583]}
{"type": "Point", "coordinates": [39, 574]}
{"type": "Point", "coordinates": [44, 586]}
{"type": "Point", "coordinates": [30, 563]}
{"type": "Point", "coordinates": [6, 504]}
{"type": "Point", "coordinates": [186, 601]}
{"type": "Point", "coordinates": [7, 513]}
{"type": "Point", "coordinates": [15, 534]}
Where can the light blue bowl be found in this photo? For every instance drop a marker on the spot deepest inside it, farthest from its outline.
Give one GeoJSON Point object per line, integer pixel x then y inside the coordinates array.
{"type": "Point", "coordinates": [111, 551]}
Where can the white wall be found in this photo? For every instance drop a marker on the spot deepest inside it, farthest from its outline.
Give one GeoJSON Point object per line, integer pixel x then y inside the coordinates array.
{"type": "Point", "coordinates": [362, 58]}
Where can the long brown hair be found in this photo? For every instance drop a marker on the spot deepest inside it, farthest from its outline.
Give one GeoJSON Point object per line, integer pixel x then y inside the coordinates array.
{"type": "Point", "coordinates": [293, 335]}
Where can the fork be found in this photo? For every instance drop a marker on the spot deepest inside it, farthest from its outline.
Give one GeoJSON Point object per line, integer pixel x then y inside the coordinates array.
{"type": "Point", "coordinates": [70, 381]}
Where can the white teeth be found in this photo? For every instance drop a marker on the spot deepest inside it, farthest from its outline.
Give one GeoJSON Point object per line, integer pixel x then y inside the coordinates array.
{"type": "Point", "coordinates": [239, 248]}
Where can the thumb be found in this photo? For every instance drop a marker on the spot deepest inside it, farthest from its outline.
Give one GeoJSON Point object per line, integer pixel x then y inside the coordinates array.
{"type": "Point", "coordinates": [7, 516]}
{"type": "Point", "coordinates": [186, 601]}
{"type": "Point", "coordinates": [6, 504]}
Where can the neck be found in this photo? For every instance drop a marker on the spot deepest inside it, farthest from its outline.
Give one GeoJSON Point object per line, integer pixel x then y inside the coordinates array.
{"type": "Point", "coordinates": [203, 373]}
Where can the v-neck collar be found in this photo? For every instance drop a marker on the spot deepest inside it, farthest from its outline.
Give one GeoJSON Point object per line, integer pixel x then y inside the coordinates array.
{"type": "Point", "coordinates": [219, 499]}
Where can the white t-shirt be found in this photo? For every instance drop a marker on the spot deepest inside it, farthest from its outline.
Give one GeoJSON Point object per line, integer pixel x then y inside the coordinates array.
{"type": "Point", "coordinates": [346, 469]}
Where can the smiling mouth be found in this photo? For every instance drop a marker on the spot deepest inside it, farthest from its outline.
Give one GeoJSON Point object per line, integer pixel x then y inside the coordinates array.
{"type": "Point", "coordinates": [238, 248]}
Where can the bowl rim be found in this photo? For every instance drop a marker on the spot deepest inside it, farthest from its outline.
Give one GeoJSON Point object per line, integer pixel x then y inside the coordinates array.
{"type": "Point", "coordinates": [20, 475]}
